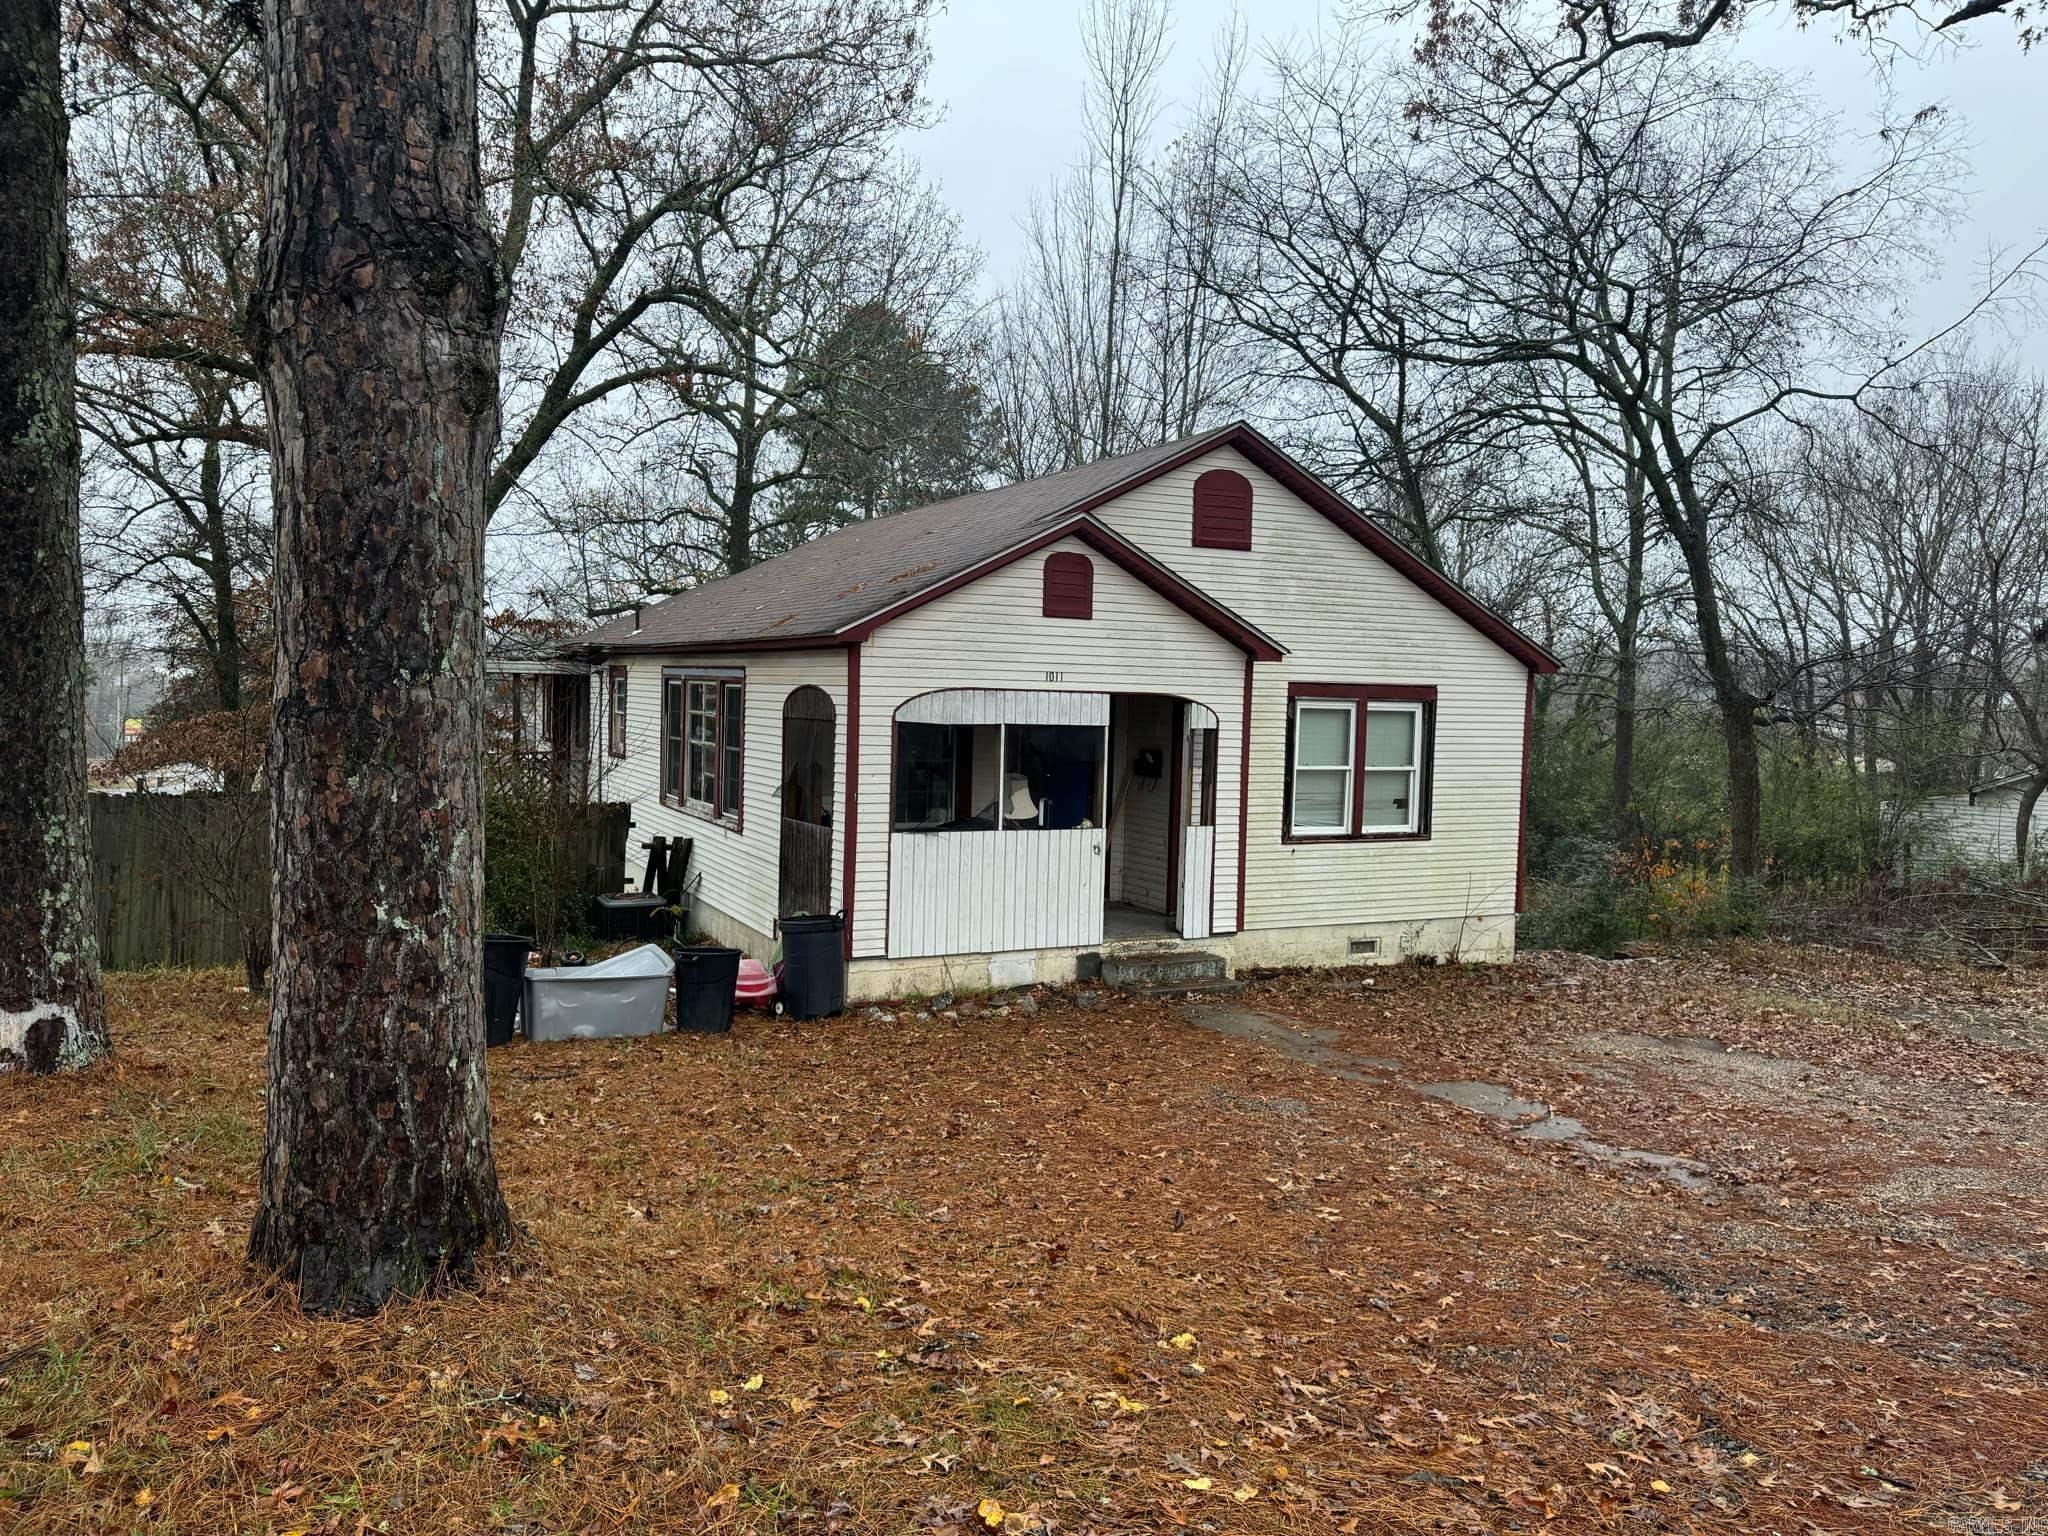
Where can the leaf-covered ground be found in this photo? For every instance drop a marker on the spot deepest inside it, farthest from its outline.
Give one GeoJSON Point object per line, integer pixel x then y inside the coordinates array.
{"type": "Point", "coordinates": [1104, 1266]}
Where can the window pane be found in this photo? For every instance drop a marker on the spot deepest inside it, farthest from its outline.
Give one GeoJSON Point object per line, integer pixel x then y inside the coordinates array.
{"type": "Point", "coordinates": [672, 739]}
{"type": "Point", "coordinates": [925, 765]}
{"type": "Point", "coordinates": [1052, 775]}
{"type": "Point", "coordinates": [1390, 738]}
{"type": "Point", "coordinates": [1322, 800]}
{"type": "Point", "coordinates": [1322, 736]}
{"type": "Point", "coordinates": [1389, 799]}
{"type": "Point", "coordinates": [735, 744]}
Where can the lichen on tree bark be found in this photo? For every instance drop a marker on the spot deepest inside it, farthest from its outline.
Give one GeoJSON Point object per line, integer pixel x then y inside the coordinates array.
{"type": "Point", "coordinates": [378, 327]}
{"type": "Point", "coordinates": [52, 1014]}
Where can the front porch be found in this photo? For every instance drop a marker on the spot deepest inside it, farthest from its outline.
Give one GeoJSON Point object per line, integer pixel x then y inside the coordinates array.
{"type": "Point", "coordinates": [1040, 819]}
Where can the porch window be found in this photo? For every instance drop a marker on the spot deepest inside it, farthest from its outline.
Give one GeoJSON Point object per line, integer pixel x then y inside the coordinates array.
{"type": "Point", "coordinates": [984, 778]}
{"type": "Point", "coordinates": [1359, 760]}
{"type": "Point", "coordinates": [1052, 776]}
{"type": "Point", "coordinates": [703, 742]}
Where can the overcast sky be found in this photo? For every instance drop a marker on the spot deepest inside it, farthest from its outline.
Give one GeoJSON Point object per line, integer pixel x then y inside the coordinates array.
{"type": "Point", "coordinates": [1008, 78]}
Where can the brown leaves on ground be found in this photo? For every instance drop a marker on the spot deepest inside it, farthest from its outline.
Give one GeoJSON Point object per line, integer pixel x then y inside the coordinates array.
{"type": "Point", "coordinates": [1094, 1270]}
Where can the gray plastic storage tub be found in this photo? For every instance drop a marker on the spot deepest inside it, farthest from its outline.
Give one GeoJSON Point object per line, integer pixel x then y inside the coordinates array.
{"type": "Point", "coordinates": [625, 995]}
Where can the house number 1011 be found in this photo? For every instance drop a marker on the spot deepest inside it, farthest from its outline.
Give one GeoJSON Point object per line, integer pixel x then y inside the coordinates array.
{"type": "Point", "coordinates": [1055, 677]}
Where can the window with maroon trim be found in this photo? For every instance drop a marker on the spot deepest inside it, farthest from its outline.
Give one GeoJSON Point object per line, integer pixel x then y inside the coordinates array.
{"type": "Point", "coordinates": [1359, 760]}
{"type": "Point", "coordinates": [615, 711]}
{"type": "Point", "coordinates": [703, 742]}
{"type": "Point", "coordinates": [1223, 510]}
{"type": "Point", "coordinates": [1069, 586]}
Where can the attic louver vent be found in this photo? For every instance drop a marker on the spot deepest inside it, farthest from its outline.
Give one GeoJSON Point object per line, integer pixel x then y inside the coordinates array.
{"type": "Point", "coordinates": [1223, 510]}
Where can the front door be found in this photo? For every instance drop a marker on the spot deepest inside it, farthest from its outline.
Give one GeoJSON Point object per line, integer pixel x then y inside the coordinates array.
{"type": "Point", "coordinates": [805, 885]}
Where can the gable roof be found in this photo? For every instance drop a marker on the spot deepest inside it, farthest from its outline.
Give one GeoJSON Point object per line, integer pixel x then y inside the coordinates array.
{"type": "Point", "coordinates": [840, 587]}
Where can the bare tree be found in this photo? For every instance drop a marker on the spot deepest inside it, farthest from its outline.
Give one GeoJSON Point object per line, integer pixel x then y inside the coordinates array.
{"type": "Point", "coordinates": [1678, 237]}
{"type": "Point", "coordinates": [613, 137]}
{"type": "Point", "coordinates": [1111, 336]}
{"type": "Point", "coordinates": [380, 310]}
{"type": "Point", "coordinates": [52, 1013]}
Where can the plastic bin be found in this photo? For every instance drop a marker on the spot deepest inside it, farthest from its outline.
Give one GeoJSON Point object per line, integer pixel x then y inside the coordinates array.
{"type": "Point", "coordinates": [705, 977]}
{"type": "Point", "coordinates": [504, 979]}
{"type": "Point", "coordinates": [814, 965]}
{"type": "Point", "coordinates": [625, 995]}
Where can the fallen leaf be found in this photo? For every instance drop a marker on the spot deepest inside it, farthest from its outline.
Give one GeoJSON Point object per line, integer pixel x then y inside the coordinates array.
{"type": "Point", "coordinates": [1658, 1485]}
{"type": "Point", "coordinates": [727, 1496]}
{"type": "Point", "coordinates": [1244, 1493]}
{"type": "Point", "coordinates": [1197, 1484]}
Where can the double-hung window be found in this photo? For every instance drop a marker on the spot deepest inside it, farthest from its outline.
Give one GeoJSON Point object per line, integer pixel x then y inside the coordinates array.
{"type": "Point", "coordinates": [703, 764]}
{"type": "Point", "coordinates": [1359, 760]}
{"type": "Point", "coordinates": [1325, 734]}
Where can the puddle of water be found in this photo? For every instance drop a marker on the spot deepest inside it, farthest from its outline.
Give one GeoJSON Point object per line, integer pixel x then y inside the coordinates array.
{"type": "Point", "coordinates": [1489, 1099]}
{"type": "Point", "coordinates": [1305, 1044]}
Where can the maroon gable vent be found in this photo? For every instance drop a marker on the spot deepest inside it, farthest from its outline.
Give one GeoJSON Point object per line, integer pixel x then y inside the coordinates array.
{"type": "Point", "coordinates": [1069, 586]}
{"type": "Point", "coordinates": [1223, 510]}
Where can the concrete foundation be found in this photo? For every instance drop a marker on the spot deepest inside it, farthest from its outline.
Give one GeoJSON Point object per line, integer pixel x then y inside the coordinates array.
{"type": "Point", "coordinates": [1489, 940]}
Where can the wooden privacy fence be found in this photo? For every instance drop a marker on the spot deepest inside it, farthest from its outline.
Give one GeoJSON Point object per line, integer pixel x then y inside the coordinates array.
{"type": "Point", "coordinates": [169, 871]}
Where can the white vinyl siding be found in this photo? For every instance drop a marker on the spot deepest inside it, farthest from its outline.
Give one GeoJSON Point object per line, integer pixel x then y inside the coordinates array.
{"type": "Point", "coordinates": [738, 857]}
{"type": "Point", "coordinates": [985, 892]}
{"type": "Point", "coordinates": [1345, 616]}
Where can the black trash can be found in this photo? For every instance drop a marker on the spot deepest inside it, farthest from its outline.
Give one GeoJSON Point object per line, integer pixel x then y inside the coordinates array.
{"type": "Point", "coordinates": [706, 975]}
{"type": "Point", "coordinates": [814, 965]}
{"type": "Point", "coordinates": [504, 979]}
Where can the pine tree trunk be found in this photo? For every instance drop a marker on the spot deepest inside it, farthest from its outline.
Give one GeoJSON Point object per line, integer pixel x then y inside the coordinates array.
{"type": "Point", "coordinates": [379, 321]}
{"type": "Point", "coordinates": [52, 1013]}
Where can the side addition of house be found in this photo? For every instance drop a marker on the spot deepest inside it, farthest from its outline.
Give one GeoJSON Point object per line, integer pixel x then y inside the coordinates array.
{"type": "Point", "coordinates": [1186, 696]}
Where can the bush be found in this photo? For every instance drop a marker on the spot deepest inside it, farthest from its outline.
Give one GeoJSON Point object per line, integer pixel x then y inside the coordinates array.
{"type": "Point", "coordinates": [539, 878]}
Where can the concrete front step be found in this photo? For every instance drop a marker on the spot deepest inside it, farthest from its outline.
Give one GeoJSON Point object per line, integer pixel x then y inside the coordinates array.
{"type": "Point", "coordinates": [1185, 989]}
{"type": "Point", "coordinates": [1155, 970]}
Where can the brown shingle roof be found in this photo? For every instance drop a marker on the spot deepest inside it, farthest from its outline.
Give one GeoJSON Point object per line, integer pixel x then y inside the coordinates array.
{"type": "Point", "coordinates": [829, 584]}
{"type": "Point", "coordinates": [820, 591]}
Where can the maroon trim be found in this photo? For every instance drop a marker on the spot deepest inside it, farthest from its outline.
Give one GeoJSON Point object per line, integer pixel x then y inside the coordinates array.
{"type": "Point", "coordinates": [852, 798]}
{"type": "Point", "coordinates": [1244, 794]}
{"type": "Point", "coordinates": [635, 646]}
{"type": "Point", "coordinates": [1522, 811]}
{"type": "Point", "coordinates": [1375, 693]}
{"type": "Point", "coordinates": [1126, 557]}
{"type": "Point", "coordinates": [1223, 510]}
{"type": "Point", "coordinates": [1069, 586]}
{"type": "Point", "coordinates": [1358, 696]}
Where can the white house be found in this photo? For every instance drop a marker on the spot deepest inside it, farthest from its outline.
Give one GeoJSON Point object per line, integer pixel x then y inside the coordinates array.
{"type": "Point", "coordinates": [1183, 697]}
{"type": "Point", "coordinates": [1976, 828]}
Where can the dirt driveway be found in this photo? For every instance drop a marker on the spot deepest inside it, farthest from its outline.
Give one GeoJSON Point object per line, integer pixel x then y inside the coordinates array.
{"type": "Point", "coordinates": [1747, 1240]}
